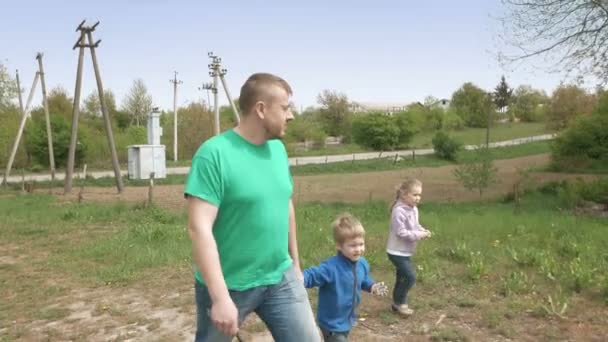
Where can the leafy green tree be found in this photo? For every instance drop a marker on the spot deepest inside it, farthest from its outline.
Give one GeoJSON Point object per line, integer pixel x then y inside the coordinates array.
{"type": "Point", "coordinates": [472, 104]}
{"type": "Point", "coordinates": [91, 106]}
{"type": "Point", "coordinates": [194, 124]}
{"type": "Point", "coordinates": [567, 103]}
{"type": "Point", "coordinates": [8, 88]}
{"type": "Point", "coordinates": [60, 104]}
{"type": "Point", "coordinates": [529, 105]}
{"type": "Point", "coordinates": [584, 142]}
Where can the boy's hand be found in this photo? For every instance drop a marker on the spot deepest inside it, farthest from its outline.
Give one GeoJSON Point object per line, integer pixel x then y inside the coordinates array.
{"type": "Point", "coordinates": [379, 289]}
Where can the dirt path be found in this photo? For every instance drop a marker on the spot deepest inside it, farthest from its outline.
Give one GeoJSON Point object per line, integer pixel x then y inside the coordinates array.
{"type": "Point", "coordinates": [439, 185]}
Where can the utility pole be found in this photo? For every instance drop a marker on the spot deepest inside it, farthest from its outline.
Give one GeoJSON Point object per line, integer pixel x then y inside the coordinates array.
{"type": "Point", "coordinates": [86, 32]}
{"type": "Point", "coordinates": [24, 117]}
{"type": "Point", "coordinates": [46, 116]}
{"type": "Point", "coordinates": [210, 86]}
{"type": "Point", "coordinates": [19, 132]}
{"type": "Point", "coordinates": [19, 92]}
{"type": "Point", "coordinates": [216, 71]}
{"type": "Point", "coordinates": [213, 72]}
{"type": "Point", "coordinates": [175, 82]}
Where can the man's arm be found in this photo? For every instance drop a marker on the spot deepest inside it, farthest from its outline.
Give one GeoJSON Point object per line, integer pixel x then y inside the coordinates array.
{"type": "Point", "coordinates": [201, 216]}
{"type": "Point", "coordinates": [293, 241]}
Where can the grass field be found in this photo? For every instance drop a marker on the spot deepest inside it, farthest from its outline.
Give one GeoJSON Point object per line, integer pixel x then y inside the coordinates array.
{"type": "Point", "coordinates": [509, 272]}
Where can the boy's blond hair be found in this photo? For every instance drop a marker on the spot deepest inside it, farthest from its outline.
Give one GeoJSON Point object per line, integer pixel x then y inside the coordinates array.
{"type": "Point", "coordinates": [346, 227]}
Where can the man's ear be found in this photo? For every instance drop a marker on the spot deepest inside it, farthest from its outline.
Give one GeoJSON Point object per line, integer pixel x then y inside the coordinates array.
{"type": "Point", "coordinates": [260, 109]}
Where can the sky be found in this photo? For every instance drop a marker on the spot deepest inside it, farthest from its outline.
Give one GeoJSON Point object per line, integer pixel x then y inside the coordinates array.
{"type": "Point", "coordinates": [372, 51]}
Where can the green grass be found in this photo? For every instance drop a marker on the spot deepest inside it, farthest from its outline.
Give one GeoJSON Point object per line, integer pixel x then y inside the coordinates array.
{"type": "Point", "coordinates": [389, 163]}
{"type": "Point", "coordinates": [477, 136]}
{"type": "Point", "coordinates": [535, 258]}
{"type": "Point", "coordinates": [118, 243]}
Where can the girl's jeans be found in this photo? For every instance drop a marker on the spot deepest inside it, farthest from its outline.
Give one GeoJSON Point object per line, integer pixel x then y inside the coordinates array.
{"type": "Point", "coordinates": [405, 277]}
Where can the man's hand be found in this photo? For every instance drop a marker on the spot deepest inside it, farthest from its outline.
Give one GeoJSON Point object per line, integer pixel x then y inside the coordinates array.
{"type": "Point", "coordinates": [379, 289]}
{"type": "Point", "coordinates": [299, 274]}
{"type": "Point", "coordinates": [225, 316]}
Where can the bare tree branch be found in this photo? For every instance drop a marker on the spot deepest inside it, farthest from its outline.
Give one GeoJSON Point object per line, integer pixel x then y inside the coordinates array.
{"type": "Point", "coordinates": [570, 34]}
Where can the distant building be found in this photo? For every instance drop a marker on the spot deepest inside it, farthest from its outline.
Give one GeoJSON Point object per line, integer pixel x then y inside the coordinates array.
{"type": "Point", "coordinates": [384, 107]}
{"type": "Point", "coordinates": [391, 107]}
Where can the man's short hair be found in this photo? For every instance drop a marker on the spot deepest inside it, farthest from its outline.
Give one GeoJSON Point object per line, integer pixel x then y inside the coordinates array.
{"type": "Point", "coordinates": [256, 88]}
{"type": "Point", "coordinates": [347, 227]}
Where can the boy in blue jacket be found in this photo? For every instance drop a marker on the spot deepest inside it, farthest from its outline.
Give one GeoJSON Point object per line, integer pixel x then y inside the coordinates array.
{"type": "Point", "coordinates": [340, 280]}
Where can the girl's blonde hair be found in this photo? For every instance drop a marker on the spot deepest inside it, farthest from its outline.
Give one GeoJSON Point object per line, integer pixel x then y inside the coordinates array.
{"type": "Point", "coordinates": [346, 227]}
{"type": "Point", "coordinates": [405, 188]}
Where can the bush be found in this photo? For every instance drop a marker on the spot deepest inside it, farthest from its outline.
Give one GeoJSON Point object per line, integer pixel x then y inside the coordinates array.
{"type": "Point", "coordinates": [445, 146]}
{"type": "Point", "coordinates": [37, 145]}
{"type": "Point", "coordinates": [377, 131]}
{"type": "Point", "coordinates": [451, 121]}
{"type": "Point", "coordinates": [584, 143]}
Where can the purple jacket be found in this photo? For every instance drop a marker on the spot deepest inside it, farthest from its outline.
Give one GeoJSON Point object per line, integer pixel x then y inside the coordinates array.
{"type": "Point", "coordinates": [405, 230]}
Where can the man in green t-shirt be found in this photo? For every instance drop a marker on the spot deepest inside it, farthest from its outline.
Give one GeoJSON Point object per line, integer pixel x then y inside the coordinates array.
{"type": "Point", "coordinates": [242, 223]}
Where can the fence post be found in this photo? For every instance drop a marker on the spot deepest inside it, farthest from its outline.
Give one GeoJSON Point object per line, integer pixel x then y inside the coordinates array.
{"type": "Point", "coordinates": [151, 189]}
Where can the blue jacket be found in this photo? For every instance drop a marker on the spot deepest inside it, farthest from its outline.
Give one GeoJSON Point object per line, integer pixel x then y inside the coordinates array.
{"type": "Point", "coordinates": [340, 282]}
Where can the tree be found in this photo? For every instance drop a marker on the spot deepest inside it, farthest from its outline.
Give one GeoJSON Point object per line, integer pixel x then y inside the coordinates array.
{"type": "Point", "coordinates": [567, 103]}
{"type": "Point", "coordinates": [91, 106]}
{"type": "Point", "coordinates": [502, 94]}
{"type": "Point", "coordinates": [472, 104]}
{"type": "Point", "coordinates": [59, 102]}
{"type": "Point", "coordinates": [8, 88]}
{"type": "Point", "coordinates": [528, 104]}
{"type": "Point", "coordinates": [138, 103]}
{"type": "Point", "coordinates": [335, 113]}
{"type": "Point", "coordinates": [478, 173]}
{"type": "Point", "coordinates": [572, 34]}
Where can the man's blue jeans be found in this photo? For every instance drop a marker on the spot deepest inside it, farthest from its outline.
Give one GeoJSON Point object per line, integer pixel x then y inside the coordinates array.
{"type": "Point", "coordinates": [405, 277]}
{"type": "Point", "coordinates": [283, 307]}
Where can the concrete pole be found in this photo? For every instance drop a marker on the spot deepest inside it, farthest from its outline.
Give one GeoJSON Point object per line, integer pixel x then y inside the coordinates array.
{"type": "Point", "coordinates": [216, 104]}
{"type": "Point", "coordinates": [31, 95]}
{"type": "Point", "coordinates": [75, 113]}
{"type": "Point", "coordinates": [49, 133]}
{"type": "Point", "coordinates": [106, 115]}
{"type": "Point", "coordinates": [234, 109]}
{"type": "Point", "coordinates": [175, 83]}
{"type": "Point", "coordinates": [11, 158]}
{"type": "Point", "coordinates": [19, 92]}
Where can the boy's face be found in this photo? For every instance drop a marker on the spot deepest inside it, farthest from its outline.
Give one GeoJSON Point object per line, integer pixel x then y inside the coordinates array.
{"type": "Point", "coordinates": [352, 248]}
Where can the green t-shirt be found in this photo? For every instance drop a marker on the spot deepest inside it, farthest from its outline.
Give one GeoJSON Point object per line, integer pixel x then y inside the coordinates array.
{"type": "Point", "coordinates": [251, 186]}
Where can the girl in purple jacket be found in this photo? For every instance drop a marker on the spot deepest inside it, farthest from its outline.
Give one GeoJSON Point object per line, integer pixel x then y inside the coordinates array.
{"type": "Point", "coordinates": [405, 231]}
